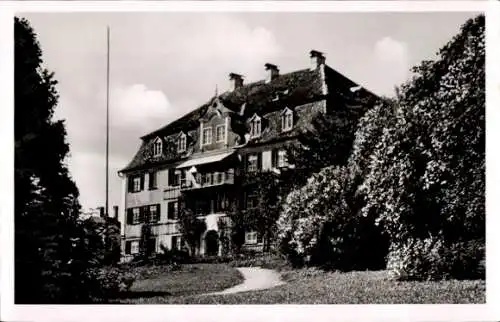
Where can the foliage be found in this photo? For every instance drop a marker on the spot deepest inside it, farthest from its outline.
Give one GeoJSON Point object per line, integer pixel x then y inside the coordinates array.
{"type": "Point", "coordinates": [145, 250]}
{"type": "Point", "coordinates": [109, 283]}
{"type": "Point", "coordinates": [425, 178]}
{"type": "Point", "coordinates": [190, 226]}
{"type": "Point", "coordinates": [433, 259]}
{"type": "Point", "coordinates": [50, 260]}
{"type": "Point", "coordinates": [328, 142]}
{"type": "Point", "coordinates": [172, 256]}
{"type": "Point", "coordinates": [318, 225]}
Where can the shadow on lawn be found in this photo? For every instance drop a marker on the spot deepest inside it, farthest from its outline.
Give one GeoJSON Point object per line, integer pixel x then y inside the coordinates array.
{"type": "Point", "coordinates": [142, 294]}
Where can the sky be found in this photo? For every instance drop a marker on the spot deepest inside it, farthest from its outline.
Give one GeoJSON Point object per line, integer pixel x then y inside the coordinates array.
{"type": "Point", "coordinates": [163, 65]}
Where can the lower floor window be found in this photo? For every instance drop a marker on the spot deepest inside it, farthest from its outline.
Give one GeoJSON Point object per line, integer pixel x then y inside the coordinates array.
{"type": "Point", "coordinates": [131, 247]}
{"type": "Point", "coordinates": [177, 242]}
{"type": "Point", "coordinates": [251, 237]}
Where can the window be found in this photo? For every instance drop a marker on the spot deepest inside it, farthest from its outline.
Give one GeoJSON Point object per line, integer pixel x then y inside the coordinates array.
{"type": "Point", "coordinates": [176, 242]}
{"type": "Point", "coordinates": [282, 161]}
{"type": "Point", "coordinates": [253, 163]}
{"type": "Point", "coordinates": [136, 183]}
{"type": "Point", "coordinates": [252, 201]}
{"type": "Point", "coordinates": [131, 247]}
{"type": "Point", "coordinates": [251, 237]}
{"type": "Point", "coordinates": [206, 178]}
{"type": "Point", "coordinates": [136, 216]}
{"type": "Point", "coordinates": [154, 213]}
{"type": "Point", "coordinates": [287, 120]}
{"type": "Point", "coordinates": [157, 147]}
{"type": "Point", "coordinates": [255, 126]}
{"type": "Point", "coordinates": [182, 143]}
{"type": "Point", "coordinates": [207, 136]}
{"type": "Point", "coordinates": [152, 180]}
{"type": "Point", "coordinates": [220, 133]}
{"type": "Point", "coordinates": [172, 208]}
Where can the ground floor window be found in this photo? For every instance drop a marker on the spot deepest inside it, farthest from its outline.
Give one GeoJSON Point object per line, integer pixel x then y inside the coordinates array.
{"type": "Point", "coordinates": [176, 242]}
{"type": "Point", "coordinates": [251, 237]}
{"type": "Point", "coordinates": [131, 247]}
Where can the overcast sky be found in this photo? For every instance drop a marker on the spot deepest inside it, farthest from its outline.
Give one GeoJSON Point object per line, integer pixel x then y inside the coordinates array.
{"type": "Point", "coordinates": [166, 64]}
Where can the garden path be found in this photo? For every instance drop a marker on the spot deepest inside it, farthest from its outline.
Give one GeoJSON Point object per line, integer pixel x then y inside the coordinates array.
{"type": "Point", "coordinates": [256, 278]}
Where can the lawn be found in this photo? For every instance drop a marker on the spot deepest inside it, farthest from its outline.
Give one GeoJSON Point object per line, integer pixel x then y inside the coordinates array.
{"type": "Point", "coordinates": [157, 283]}
{"type": "Point", "coordinates": [304, 286]}
{"type": "Point", "coordinates": [310, 286]}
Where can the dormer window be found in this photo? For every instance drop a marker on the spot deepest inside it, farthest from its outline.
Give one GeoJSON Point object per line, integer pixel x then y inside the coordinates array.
{"type": "Point", "coordinates": [220, 133]}
{"type": "Point", "coordinates": [181, 143]}
{"type": "Point", "coordinates": [157, 147]}
{"type": "Point", "coordinates": [286, 120]}
{"type": "Point", "coordinates": [207, 136]}
{"type": "Point", "coordinates": [255, 126]}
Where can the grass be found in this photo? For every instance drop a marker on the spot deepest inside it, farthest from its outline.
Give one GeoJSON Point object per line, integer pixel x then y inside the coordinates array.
{"type": "Point", "coordinates": [304, 286]}
{"type": "Point", "coordinates": [311, 286]}
{"type": "Point", "coordinates": [157, 283]}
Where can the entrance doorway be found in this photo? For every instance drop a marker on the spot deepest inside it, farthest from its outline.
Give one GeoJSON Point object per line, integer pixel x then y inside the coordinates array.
{"type": "Point", "coordinates": [212, 243]}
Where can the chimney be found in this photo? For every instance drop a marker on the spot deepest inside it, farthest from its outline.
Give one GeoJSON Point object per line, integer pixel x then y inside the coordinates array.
{"type": "Point", "coordinates": [101, 212]}
{"type": "Point", "coordinates": [317, 59]}
{"type": "Point", "coordinates": [235, 80]}
{"type": "Point", "coordinates": [272, 72]}
{"type": "Point", "coordinates": [115, 212]}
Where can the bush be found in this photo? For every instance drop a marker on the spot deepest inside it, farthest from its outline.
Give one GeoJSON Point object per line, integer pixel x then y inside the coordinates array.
{"type": "Point", "coordinates": [109, 283]}
{"type": "Point", "coordinates": [320, 225]}
{"type": "Point", "coordinates": [171, 256]}
{"type": "Point", "coordinates": [432, 259]}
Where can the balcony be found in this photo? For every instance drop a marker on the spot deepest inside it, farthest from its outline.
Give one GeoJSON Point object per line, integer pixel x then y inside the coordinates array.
{"type": "Point", "coordinates": [210, 179]}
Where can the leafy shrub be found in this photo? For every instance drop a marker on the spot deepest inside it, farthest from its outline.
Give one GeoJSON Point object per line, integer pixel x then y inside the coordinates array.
{"type": "Point", "coordinates": [109, 282]}
{"type": "Point", "coordinates": [320, 225]}
{"type": "Point", "coordinates": [432, 259]}
{"type": "Point", "coordinates": [170, 256]}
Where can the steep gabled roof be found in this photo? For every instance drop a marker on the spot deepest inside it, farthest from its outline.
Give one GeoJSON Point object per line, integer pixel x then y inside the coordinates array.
{"type": "Point", "coordinates": [300, 87]}
{"type": "Point", "coordinates": [264, 99]}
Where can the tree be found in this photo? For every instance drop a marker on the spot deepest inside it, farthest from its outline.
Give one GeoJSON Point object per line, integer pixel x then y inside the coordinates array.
{"type": "Point", "coordinates": [329, 141]}
{"type": "Point", "coordinates": [190, 226]}
{"type": "Point", "coordinates": [46, 204]}
{"type": "Point", "coordinates": [58, 257]}
{"type": "Point", "coordinates": [426, 175]}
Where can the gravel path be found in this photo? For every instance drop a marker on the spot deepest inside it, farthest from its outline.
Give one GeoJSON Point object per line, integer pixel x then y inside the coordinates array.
{"type": "Point", "coordinates": [256, 278]}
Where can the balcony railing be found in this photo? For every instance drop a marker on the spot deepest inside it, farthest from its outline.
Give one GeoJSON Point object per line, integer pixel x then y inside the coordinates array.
{"type": "Point", "coordinates": [210, 179]}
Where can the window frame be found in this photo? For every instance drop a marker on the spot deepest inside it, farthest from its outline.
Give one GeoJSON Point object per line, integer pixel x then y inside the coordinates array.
{"type": "Point", "coordinates": [153, 174]}
{"type": "Point", "coordinates": [250, 164]}
{"type": "Point", "coordinates": [175, 214]}
{"type": "Point", "coordinates": [207, 129]}
{"type": "Point", "coordinates": [282, 163]}
{"type": "Point", "coordinates": [286, 120]}
{"type": "Point", "coordinates": [136, 184]}
{"type": "Point", "coordinates": [156, 213]}
{"type": "Point", "coordinates": [252, 240]}
{"type": "Point", "coordinates": [255, 126]}
{"type": "Point", "coordinates": [131, 248]}
{"type": "Point", "coordinates": [182, 143]}
{"type": "Point", "coordinates": [157, 147]}
{"type": "Point", "coordinates": [223, 137]}
{"type": "Point", "coordinates": [136, 215]}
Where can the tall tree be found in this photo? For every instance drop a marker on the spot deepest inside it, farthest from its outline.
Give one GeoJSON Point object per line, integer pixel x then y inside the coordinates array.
{"type": "Point", "coordinates": [46, 205]}
{"type": "Point", "coordinates": [426, 175]}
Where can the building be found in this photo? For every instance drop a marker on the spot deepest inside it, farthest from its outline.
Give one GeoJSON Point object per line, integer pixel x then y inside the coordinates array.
{"type": "Point", "coordinates": [201, 154]}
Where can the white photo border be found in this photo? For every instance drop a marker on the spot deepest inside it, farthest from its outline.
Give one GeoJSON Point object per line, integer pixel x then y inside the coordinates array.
{"type": "Point", "coordinates": [476, 312]}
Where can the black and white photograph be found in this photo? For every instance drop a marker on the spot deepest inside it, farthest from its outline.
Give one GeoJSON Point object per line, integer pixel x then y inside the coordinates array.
{"type": "Point", "coordinates": [249, 157]}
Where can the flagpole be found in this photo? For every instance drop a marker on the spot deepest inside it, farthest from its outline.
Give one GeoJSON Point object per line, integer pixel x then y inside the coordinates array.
{"type": "Point", "coordinates": [107, 125]}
